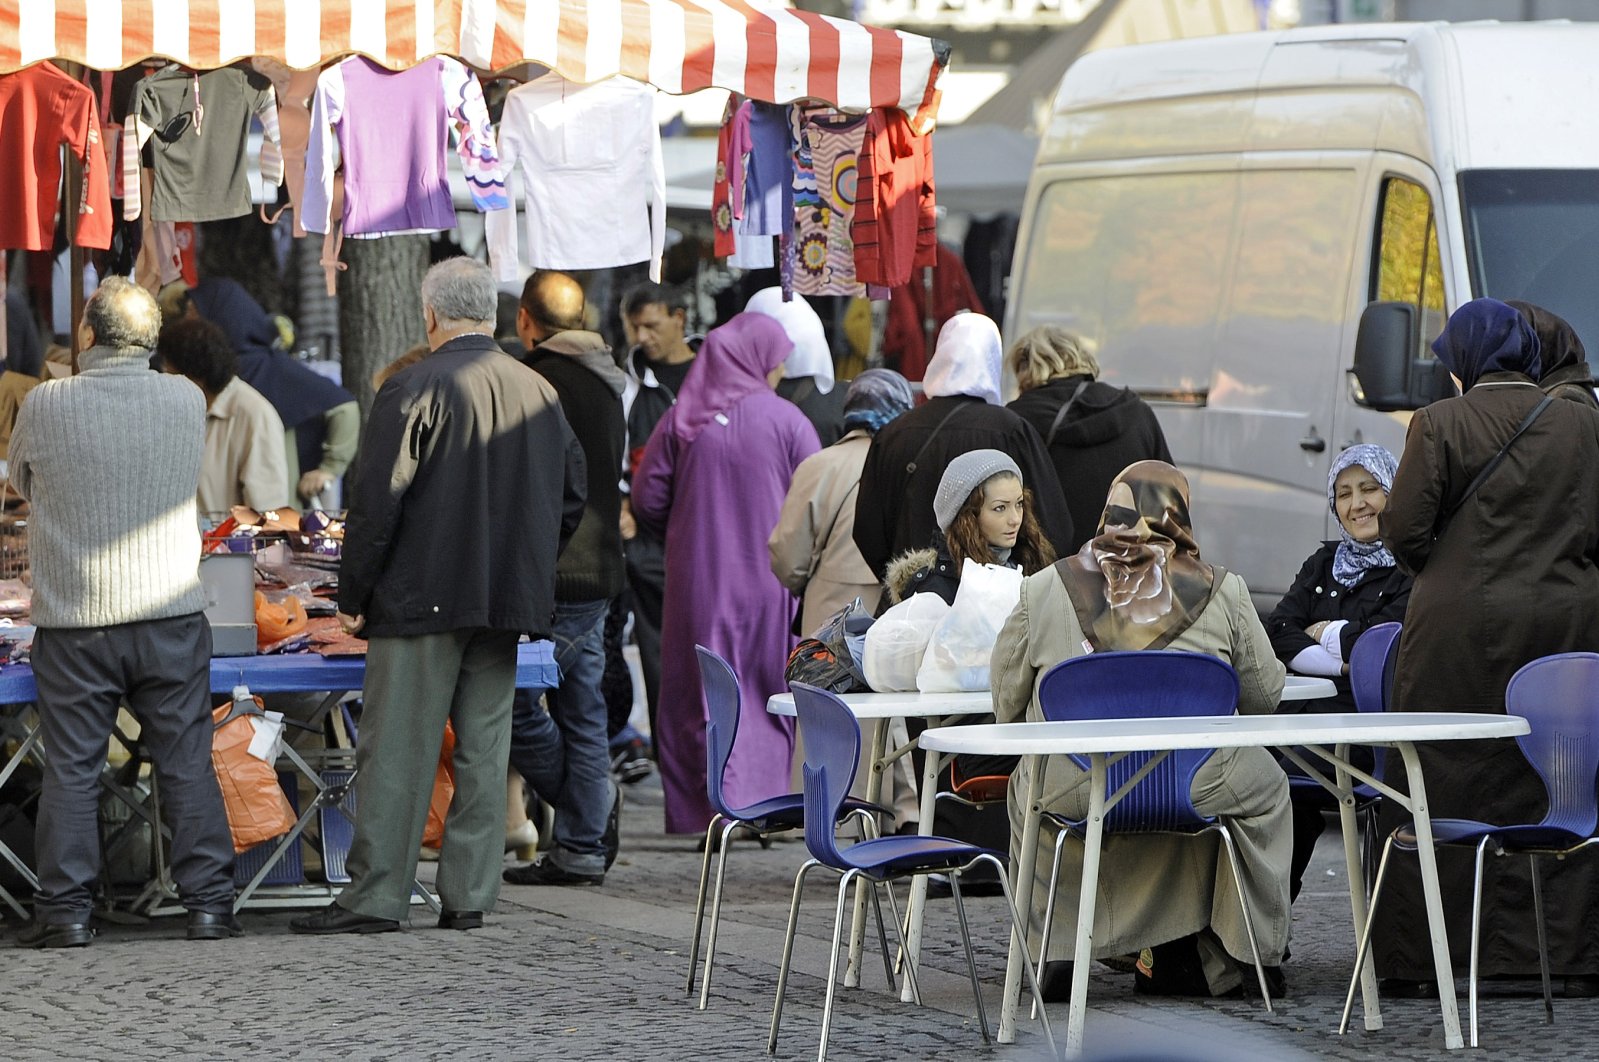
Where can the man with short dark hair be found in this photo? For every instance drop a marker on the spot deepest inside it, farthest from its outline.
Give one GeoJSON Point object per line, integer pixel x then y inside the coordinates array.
{"type": "Point", "coordinates": [562, 753]}
{"type": "Point", "coordinates": [108, 460]}
{"type": "Point", "coordinates": [469, 485]}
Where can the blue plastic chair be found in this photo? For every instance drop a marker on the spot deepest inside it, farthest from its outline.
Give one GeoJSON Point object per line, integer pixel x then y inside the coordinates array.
{"type": "Point", "coordinates": [775, 815]}
{"type": "Point", "coordinates": [832, 749]}
{"type": "Point", "coordinates": [1371, 678]}
{"type": "Point", "coordinates": [1141, 685]}
{"type": "Point", "coordinates": [1559, 697]}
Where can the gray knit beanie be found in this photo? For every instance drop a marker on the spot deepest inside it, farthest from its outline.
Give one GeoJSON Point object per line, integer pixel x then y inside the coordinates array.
{"type": "Point", "coordinates": [965, 474]}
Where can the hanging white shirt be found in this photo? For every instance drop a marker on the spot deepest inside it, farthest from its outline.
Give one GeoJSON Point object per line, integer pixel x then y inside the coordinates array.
{"type": "Point", "coordinates": [589, 157]}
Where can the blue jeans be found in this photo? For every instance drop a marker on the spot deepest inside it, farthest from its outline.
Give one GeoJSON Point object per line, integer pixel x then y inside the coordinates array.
{"type": "Point", "coordinates": [562, 753]}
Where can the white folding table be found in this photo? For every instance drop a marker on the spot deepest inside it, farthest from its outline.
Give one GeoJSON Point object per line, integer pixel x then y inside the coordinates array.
{"type": "Point", "coordinates": [1295, 735]}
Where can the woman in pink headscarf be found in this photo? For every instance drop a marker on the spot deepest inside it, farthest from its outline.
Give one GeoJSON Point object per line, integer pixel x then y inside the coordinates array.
{"type": "Point", "coordinates": [714, 476]}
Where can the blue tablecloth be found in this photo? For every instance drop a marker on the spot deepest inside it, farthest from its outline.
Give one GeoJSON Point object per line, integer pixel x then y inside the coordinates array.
{"type": "Point", "coordinates": [301, 673]}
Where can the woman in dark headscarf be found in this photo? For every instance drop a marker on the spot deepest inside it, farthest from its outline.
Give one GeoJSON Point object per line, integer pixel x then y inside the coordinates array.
{"type": "Point", "coordinates": [1562, 363]}
{"type": "Point", "coordinates": [812, 548]}
{"type": "Point", "coordinates": [1504, 573]}
{"type": "Point", "coordinates": [1140, 583]}
{"type": "Point", "coordinates": [713, 478]}
{"type": "Point", "coordinates": [321, 420]}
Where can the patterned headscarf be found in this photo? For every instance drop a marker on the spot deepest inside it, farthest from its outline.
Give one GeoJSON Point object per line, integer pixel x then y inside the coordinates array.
{"type": "Point", "coordinates": [1354, 557]}
{"type": "Point", "coordinates": [1486, 336]}
{"type": "Point", "coordinates": [876, 397]}
{"type": "Point", "coordinates": [1139, 582]}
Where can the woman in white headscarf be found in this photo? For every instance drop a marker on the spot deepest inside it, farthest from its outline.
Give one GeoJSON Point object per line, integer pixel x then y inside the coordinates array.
{"type": "Point", "coordinates": [808, 373]}
{"type": "Point", "coordinates": [894, 512]}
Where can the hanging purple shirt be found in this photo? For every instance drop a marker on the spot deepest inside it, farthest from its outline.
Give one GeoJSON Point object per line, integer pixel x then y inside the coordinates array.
{"type": "Point", "coordinates": [768, 181]}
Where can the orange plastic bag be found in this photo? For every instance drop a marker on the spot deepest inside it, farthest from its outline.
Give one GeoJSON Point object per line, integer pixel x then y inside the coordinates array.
{"type": "Point", "coordinates": [443, 791]}
{"type": "Point", "coordinates": [257, 808]}
{"type": "Point", "coordinates": [276, 622]}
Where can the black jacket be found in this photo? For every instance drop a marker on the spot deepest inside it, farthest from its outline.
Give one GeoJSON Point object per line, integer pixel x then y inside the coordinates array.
{"type": "Point", "coordinates": [469, 486]}
{"type": "Point", "coordinates": [585, 376]}
{"type": "Point", "coordinates": [894, 510]}
{"type": "Point", "coordinates": [825, 412]}
{"type": "Point", "coordinates": [1106, 429]}
{"type": "Point", "coordinates": [1379, 597]}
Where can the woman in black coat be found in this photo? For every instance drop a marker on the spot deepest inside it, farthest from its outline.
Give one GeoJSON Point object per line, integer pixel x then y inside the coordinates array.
{"type": "Point", "coordinates": [1091, 430]}
{"type": "Point", "coordinates": [1344, 588]}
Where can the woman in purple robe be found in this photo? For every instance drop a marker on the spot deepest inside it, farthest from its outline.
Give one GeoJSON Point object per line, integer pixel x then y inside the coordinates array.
{"type": "Point", "coordinates": [714, 475]}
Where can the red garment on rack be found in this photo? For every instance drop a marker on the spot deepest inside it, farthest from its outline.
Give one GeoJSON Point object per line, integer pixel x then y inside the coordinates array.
{"type": "Point", "coordinates": [905, 338]}
{"type": "Point", "coordinates": [41, 109]}
{"type": "Point", "coordinates": [895, 228]}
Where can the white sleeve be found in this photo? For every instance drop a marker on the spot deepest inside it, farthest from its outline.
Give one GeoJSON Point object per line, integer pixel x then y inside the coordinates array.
{"type": "Point", "coordinates": [322, 151]}
{"type": "Point", "coordinates": [500, 225]}
{"type": "Point", "coordinates": [1314, 660]}
{"type": "Point", "coordinates": [1332, 639]}
{"type": "Point", "coordinates": [657, 193]}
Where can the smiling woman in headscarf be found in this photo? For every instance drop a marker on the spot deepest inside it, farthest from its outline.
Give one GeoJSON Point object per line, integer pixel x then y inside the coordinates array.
{"type": "Point", "coordinates": [808, 372]}
{"type": "Point", "coordinates": [714, 476]}
{"type": "Point", "coordinates": [1563, 369]}
{"type": "Point", "coordinates": [1505, 572]}
{"type": "Point", "coordinates": [895, 510]}
{"type": "Point", "coordinates": [321, 420]}
{"type": "Point", "coordinates": [1141, 583]}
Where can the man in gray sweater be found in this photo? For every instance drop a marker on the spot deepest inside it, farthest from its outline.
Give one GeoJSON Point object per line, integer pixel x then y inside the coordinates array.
{"type": "Point", "coordinates": [109, 460]}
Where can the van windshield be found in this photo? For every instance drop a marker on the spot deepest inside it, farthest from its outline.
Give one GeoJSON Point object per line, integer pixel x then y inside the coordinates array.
{"type": "Point", "coordinates": [1531, 235]}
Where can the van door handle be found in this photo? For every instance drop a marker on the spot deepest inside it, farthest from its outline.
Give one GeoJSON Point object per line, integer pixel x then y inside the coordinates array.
{"type": "Point", "coordinates": [1313, 443]}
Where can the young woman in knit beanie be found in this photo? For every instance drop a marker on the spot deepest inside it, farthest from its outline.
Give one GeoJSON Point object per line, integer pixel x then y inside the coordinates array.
{"type": "Point", "coordinates": [984, 513]}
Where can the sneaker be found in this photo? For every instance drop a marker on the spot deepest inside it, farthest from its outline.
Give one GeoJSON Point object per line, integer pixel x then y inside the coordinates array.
{"type": "Point", "coordinates": [612, 838]}
{"type": "Point", "coordinates": [545, 872]}
{"type": "Point", "coordinates": [631, 763]}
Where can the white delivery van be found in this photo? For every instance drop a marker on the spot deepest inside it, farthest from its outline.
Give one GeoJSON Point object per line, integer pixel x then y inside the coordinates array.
{"type": "Point", "coordinates": [1239, 222]}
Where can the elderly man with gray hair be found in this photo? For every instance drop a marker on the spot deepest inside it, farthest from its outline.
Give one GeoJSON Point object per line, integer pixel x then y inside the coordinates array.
{"type": "Point", "coordinates": [115, 552]}
{"type": "Point", "coordinates": [469, 484]}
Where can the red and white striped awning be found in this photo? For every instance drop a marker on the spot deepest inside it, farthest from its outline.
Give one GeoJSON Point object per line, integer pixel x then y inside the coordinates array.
{"type": "Point", "coordinates": [765, 52]}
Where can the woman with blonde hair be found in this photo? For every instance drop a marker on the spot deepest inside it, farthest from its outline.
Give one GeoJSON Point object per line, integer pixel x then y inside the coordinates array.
{"type": "Point", "coordinates": [1091, 430]}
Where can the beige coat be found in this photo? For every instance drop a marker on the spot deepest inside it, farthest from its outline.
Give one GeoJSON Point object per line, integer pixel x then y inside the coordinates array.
{"type": "Point", "coordinates": [813, 546]}
{"type": "Point", "coordinates": [1154, 889]}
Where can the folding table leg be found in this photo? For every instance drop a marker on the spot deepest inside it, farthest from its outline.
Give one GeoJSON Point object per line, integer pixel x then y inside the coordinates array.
{"type": "Point", "coordinates": [1428, 858]}
{"type": "Point", "coordinates": [1026, 863]}
{"type": "Point", "coordinates": [917, 907]}
{"type": "Point", "coordinates": [1356, 874]}
{"type": "Point", "coordinates": [1088, 895]}
{"type": "Point", "coordinates": [857, 932]}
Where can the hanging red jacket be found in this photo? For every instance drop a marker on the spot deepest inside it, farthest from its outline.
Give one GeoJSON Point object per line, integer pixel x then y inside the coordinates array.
{"type": "Point", "coordinates": [895, 226]}
{"type": "Point", "coordinates": [41, 109]}
{"type": "Point", "coordinates": [905, 338]}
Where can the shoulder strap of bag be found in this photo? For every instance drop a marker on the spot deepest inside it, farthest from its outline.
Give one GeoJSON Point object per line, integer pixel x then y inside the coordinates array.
{"type": "Point", "coordinates": [910, 466]}
{"type": "Point", "coordinates": [1060, 417]}
{"type": "Point", "coordinates": [1493, 462]}
{"type": "Point", "coordinates": [822, 540]}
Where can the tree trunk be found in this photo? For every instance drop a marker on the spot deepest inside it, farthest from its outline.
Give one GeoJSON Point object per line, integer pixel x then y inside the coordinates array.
{"type": "Point", "coordinates": [380, 309]}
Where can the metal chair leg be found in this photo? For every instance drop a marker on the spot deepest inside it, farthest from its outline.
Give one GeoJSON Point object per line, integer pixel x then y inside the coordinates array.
{"type": "Point", "coordinates": [716, 910]}
{"type": "Point", "coordinates": [971, 960]}
{"type": "Point", "coordinates": [1543, 940]}
{"type": "Point", "coordinates": [903, 930]}
{"type": "Point", "coordinates": [1243, 903]}
{"type": "Point", "coordinates": [832, 962]}
{"type": "Point", "coordinates": [1019, 935]}
{"type": "Point", "coordinates": [882, 937]}
{"type": "Point", "coordinates": [1476, 938]}
{"type": "Point", "coordinates": [699, 906]}
{"type": "Point", "coordinates": [788, 953]}
{"type": "Point", "coordinates": [1049, 904]}
{"type": "Point", "coordinates": [1365, 938]}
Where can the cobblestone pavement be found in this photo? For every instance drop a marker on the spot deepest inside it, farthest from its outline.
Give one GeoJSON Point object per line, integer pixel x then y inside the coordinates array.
{"type": "Point", "coordinates": [599, 973]}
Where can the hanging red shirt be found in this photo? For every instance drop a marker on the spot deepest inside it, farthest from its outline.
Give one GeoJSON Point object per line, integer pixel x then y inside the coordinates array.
{"type": "Point", "coordinates": [41, 109]}
{"type": "Point", "coordinates": [895, 228]}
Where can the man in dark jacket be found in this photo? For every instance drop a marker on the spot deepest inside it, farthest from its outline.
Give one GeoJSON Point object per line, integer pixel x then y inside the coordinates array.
{"type": "Point", "coordinates": [469, 486]}
{"type": "Point", "coordinates": [562, 753]}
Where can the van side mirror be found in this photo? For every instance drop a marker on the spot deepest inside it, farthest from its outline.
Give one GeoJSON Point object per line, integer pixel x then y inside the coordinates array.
{"type": "Point", "coordinates": [1390, 375]}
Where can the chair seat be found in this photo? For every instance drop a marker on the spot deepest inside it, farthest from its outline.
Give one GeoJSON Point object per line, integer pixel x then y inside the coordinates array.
{"type": "Point", "coordinates": [887, 856]}
{"type": "Point", "coordinates": [787, 812]}
{"type": "Point", "coordinates": [1461, 831]}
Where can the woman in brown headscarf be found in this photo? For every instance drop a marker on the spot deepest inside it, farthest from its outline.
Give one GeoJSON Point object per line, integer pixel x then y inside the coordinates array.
{"type": "Point", "coordinates": [1140, 584]}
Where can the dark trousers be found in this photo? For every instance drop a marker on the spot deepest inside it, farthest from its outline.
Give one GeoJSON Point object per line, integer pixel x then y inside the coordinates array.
{"type": "Point", "coordinates": [617, 682]}
{"type": "Point", "coordinates": [646, 577]}
{"type": "Point", "coordinates": [161, 670]}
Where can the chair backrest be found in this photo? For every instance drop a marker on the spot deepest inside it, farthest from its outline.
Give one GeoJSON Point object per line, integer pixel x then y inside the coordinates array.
{"type": "Point", "coordinates": [1371, 666]}
{"type": "Point", "coordinates": [1140, 685]}
{"type": "Point", "coordinates": [832, 748]}
{"type": "Point", "coordinates": [720, 686]}
{"type": "Point", "coordinates": [1559, 697]}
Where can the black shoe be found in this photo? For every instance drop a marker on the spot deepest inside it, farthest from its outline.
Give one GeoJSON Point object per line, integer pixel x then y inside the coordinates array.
{"type": "Point", "coordinates": [1055, 981]}
{"type": "Point", "coordinates": [612, 838]}
{"type": "Point", "coordinates": [336, 919]}
{"type": "Point", "coordinates": [1400, 988]}
{"type": "Point", "coordinates": [1276, 983]}
{"type": "Point", "coordinates": [209, 925]}
{"type": "Point", "coordinates": [545, 872]}
{"type": "Point", "coordinates": [460, 919]}
{"type": "Point", "coordinates": [631, 763]}
{"type": "Point", "coordinates": [56, 935]}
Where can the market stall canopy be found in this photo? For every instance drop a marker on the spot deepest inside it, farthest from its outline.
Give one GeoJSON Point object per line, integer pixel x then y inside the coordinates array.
{"type": "Point", "coordinates": [767, 53]}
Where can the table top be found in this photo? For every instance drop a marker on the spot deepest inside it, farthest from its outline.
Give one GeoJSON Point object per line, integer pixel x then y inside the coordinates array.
{"type": "Point", "coordinates": [301, 673]}
{"type": "Point", "coordinates": [900, 705]}
{"type": "Point", "coordinates": [1307, 688]}
{"type": "Point", "coordinates": [1212, 732]}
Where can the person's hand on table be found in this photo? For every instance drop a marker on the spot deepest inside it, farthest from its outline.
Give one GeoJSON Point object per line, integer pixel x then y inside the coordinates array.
{"type": "Point", "coordinates": [351, 624]}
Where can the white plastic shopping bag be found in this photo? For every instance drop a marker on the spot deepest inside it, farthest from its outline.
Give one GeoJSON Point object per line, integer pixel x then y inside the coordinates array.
{"type": "Point", "coordinates": [958, 653]}
{"type": "Point", "coordinates": [896, 643]}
